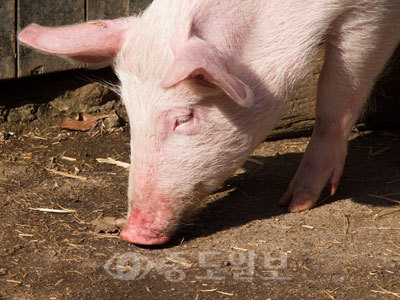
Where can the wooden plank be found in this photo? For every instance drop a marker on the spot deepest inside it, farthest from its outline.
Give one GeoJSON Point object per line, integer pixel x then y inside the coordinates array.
{"type": "Point", "coordinates": [107, 9]}
{"type": "Point", "coordinates": [136, 6]}
{"type": "Point", "coordinates": [7, 39]}
{"type": "Point", "coordinates": [299, 116]}
{"type": "Point", "coordinates": [49, 13]}
{"type": "Point", "coordinates": [382, 110]}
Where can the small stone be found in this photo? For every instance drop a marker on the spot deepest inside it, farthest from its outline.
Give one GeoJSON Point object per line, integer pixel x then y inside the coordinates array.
{"type": "Point", "coordinates": [27, 113]}
{"type": "Point", "coordinates": [112, 121]}
{"type": "Point", "coordinates": [5, 135]}
{"type": "Point", "coordinates": [3, 271]}
{"type": "Point", "coordinates": [13, 116]}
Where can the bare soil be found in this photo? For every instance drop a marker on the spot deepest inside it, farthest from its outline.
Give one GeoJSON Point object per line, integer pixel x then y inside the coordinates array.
{"type": "Point", "coordinates": [241, 245]}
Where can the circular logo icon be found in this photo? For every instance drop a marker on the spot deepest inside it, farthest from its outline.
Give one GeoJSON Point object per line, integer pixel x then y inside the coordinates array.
{"type": "Point", "coordinates": [128, 266]}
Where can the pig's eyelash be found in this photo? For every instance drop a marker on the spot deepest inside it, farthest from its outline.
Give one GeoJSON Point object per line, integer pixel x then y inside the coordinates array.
{"type": "Point", "coordinates": [184, 119]}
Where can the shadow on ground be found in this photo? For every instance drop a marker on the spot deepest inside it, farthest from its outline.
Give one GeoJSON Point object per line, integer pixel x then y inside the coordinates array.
{"type": "Point", "coordinates": [372, 168]}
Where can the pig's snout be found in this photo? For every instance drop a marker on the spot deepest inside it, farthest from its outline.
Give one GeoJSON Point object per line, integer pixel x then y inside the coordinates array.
{"type": "Point", "coordinates": [147, 227]}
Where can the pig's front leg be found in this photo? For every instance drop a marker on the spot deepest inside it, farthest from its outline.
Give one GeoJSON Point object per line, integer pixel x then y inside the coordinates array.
{"type": "Point", "coordinates": [321, 166]}
{"type": "Point", "coordinates": [355, 56]}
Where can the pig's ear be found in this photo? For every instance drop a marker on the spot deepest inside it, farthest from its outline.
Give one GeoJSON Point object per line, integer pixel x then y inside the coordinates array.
{"type": "Point", "coordinates": [95, 42]}
{"type": "Point", "coordinates": [199, 58]}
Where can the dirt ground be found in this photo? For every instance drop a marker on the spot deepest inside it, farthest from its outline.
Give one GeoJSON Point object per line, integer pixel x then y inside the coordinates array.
{"type": "Point", "coordinates": [242, 245]}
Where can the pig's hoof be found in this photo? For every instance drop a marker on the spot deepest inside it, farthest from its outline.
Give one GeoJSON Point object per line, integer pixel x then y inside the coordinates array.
{"type": "Point", "coordinates": [143, 237]}
{"type": "Point", "coordinates": [299, 198]}
{"type": "Point", "coordinates": [298, 202]}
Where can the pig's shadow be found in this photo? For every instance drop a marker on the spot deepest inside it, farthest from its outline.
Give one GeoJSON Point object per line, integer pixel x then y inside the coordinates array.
{"type": "Point", "coordinates": [372, 167]}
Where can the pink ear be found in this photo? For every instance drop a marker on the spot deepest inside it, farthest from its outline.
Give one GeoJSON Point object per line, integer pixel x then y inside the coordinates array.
{"type": "Point", "coordinates": [91, 42]}
{"type": "Point", "coordinates": [198, 57]}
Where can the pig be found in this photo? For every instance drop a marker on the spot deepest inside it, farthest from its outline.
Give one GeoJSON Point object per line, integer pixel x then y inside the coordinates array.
{"type": "Point", "coordinates": [204, 82]}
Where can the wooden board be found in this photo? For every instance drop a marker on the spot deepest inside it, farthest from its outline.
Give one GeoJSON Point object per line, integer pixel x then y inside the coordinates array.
{"type": "Point", "coordinates": [107, 9]}
{"type": "Point", "coordinates": [7, 39]}
{"type": "Point", "coordinates": [115, 9]}
{"type": "Point", "coordinates": [19, 61]}
{"type": "Point", "coordinates": [136, 6]}
{"type": "Point", "coordinates": [299, 116]}
{"type": "Point", "coordinates": [49, 13]}
{"type": "Point", "coordinates": [382, 111]}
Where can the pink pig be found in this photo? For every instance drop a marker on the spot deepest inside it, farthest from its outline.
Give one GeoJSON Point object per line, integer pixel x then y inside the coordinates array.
{"type": "Point", "coordinates": [204, 82]}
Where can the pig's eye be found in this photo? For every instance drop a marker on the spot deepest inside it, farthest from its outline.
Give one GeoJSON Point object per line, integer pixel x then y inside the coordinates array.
{"type": "Point", "coordinates": [186, 122]}
{"type": "Point", "coordinates": [183, 120]}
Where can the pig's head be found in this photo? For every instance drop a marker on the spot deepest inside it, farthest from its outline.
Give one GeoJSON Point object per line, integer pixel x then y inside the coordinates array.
{"type": "Point", "coordinates": [192, 117]}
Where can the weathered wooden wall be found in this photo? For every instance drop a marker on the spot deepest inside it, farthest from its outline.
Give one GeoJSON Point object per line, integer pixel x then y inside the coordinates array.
{"type": "Point", "coordinates": [7, 39]}
{"type": "Point", "coordinates": [381, 112]}
{"type": "Point", "coordinates": [19, 61]}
